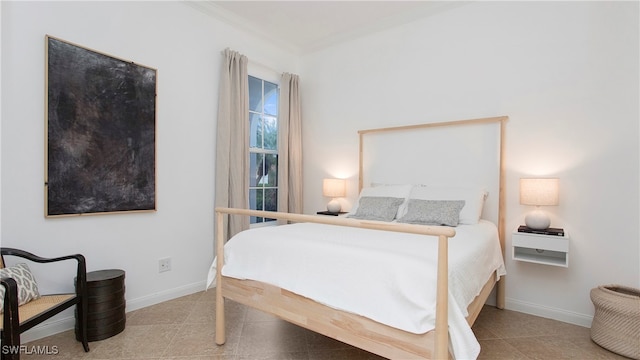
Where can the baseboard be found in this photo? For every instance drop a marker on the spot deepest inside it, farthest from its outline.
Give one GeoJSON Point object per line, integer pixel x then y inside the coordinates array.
{"type": "Point", "coordinates": [66, 320]}
{"type": "Point", "coordinates": [549, 312]}
{"type": "Point", "coordinates": [165, 295]}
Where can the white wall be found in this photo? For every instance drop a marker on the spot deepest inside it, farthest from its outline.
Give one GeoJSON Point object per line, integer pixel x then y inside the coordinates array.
{"type": "Point", "coordinates": [185, 46]}
{"type": "Point", "coordinates": [566, 73]}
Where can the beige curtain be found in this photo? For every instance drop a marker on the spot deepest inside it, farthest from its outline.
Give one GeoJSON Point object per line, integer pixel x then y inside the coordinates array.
{"type": "Point", "coordinates": [232, 148]}
{"type": "Point", "coordinates": [290, 146]}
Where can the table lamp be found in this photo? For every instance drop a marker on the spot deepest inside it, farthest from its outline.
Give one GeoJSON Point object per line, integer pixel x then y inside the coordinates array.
{"type": "Point", "coordinates": [334, 188]}
{"type": "Point", "coordinates": [538, 192]}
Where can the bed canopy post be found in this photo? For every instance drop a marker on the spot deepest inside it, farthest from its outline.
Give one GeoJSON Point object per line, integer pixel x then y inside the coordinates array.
{"type": "Point", "coordinates": [442, 304]}
{"type": "Point", "coordinates": [220, 321]}
{"type": "Point", "coordinates": [500, 289]}
{"type": "Point", "coordinates": [360, 161]}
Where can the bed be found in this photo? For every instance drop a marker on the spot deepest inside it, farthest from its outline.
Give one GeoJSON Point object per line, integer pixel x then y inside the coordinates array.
{"type": "Point", "coordinates": [380, 283]}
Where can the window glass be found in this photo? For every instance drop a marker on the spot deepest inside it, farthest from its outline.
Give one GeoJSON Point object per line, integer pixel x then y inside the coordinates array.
{"type": "Point", "coordinates": [270, 98]}
{"type": "Point", "coordinates": [255, 130]}
{"type": "Point", "coordinates": [270, 131]}
{"type": "Point", "coordinates": [271, 200]}
{"type": "Point", "coordinates": [255, 94]}
{"type": "Point", "coordinates": [255, 161]}
{"type": "Point", "coordinates": [269, 174]}
{"type": "Point", "coordinates": [263, 147]}
{"type": "Point", "coordinates": [253, 204]}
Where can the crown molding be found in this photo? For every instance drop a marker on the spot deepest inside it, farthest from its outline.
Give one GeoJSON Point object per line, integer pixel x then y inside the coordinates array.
{"type": "Point", "coordinates": [210, 8]}
{"type": "Point", "coordinates": [430, 8]}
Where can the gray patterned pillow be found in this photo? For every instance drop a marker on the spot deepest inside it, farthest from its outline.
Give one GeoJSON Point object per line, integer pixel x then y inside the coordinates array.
{"type": "Point", "coordinates": [27, 287]}
{"type": "Point", "coordinates": [433, 212]}
{"type": "Point", "coordinates": [377, 208]}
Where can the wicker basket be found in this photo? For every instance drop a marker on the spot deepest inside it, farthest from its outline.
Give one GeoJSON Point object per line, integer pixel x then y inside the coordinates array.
{"type": "Point", "coordinates": [616, 323]}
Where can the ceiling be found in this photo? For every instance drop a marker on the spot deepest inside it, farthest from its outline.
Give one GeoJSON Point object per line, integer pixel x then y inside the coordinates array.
{"type": "Point", "coordinates": [305, 26]}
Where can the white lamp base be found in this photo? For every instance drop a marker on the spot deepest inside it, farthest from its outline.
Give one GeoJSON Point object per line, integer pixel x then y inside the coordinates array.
{"type": "Point", "coordinates": [537, 220]}
{"type": "Point", "coordinates": [334, 206]}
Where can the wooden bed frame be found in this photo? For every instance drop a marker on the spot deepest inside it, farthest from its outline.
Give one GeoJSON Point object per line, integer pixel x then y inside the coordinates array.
{"type": "Point", "coordinates": [344, 326]}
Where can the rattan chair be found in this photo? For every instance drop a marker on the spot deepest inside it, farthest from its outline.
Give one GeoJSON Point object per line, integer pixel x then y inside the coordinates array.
{"type": "Point", "coordinates": [17, 319]}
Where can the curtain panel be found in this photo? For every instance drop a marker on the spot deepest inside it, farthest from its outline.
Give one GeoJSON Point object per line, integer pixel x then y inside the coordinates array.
{"type": "Point", "coordinates": [232, 140]}
{"type": "Point", "coordinates": [290, 146]}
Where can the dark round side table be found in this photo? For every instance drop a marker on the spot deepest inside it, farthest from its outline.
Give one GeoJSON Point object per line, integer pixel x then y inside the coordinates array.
{"type": "Point", "coordinates": [106, 311]}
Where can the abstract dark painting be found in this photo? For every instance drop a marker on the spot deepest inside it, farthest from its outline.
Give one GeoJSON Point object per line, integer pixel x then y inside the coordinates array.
{"type": "Point", "coordinates": [101, 123]}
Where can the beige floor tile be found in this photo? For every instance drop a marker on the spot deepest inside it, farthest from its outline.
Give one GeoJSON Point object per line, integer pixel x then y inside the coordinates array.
{"type": "Point", "coordinates": [482, 333]}
{"type": "Point", "coordinates": [271, 337]}
{"type": "Point", "coordinates": [276, 356]}
{"type": "Point", "coordinates": [343, 354]}
{"type": "Point", "coordinates": [135, 342]}
{"type": "Point", "coordinates": [170, 312]}
{"type": "Point", "coordinates": [498, 349]}
{"type": "Point", "coordinates": [594, 350]}
{"type": "Point", "coordinates": [210, 357]}
{"type": "Point", "coordinates": [184, 329]}
{"type": "Point", "coordinates": [198, 339]}
{"type": "Point", "coordinates": [208, 295]}
{"type": "Point", "coordinates": [203, 312]}
{"type": "Point", "coordinates": [62, 345]}
{"type": "Point", "coordinates": [550, 347]}
{"type": "Point", "coordinates": [511, 324]}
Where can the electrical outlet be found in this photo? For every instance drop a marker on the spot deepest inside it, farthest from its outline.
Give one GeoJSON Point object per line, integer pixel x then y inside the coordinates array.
{"type": "Point", "coordinates": [164, 264]}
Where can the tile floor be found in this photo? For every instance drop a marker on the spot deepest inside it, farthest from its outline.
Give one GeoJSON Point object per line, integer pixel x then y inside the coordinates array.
{"type": "Point", "coordinates": [184, 329]}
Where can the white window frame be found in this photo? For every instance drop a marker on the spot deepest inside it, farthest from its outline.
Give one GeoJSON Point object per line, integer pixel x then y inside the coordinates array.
{"type": "Point", "coordinates": [271, 76]}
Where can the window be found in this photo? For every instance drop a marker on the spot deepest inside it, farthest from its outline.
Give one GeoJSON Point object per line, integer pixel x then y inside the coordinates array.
{"type": "Point", "coordinates": [263, 147]}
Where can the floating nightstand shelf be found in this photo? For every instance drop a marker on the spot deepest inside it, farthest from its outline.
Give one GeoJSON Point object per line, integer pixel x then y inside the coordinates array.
{"type": "Point", "coordinates": [541, 249]}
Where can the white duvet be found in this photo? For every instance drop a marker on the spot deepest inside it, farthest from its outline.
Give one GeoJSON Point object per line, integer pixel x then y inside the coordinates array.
{"type": "Point", "coordinates": [388, 277]}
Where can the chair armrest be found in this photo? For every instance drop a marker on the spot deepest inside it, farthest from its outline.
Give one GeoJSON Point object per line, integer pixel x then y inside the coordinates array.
{"type": "Point", "coordinates": [81, 277]}
{"type": "Point", "coordinates": [10, 321]}
{"type": "Point", "coordinates": [29, 256]}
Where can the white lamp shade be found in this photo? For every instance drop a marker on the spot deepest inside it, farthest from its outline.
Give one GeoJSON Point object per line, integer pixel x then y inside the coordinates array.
{"type": "Point", "coordinates": [539, 192]}
{"type": "Point", "coordinates": [334, 187]}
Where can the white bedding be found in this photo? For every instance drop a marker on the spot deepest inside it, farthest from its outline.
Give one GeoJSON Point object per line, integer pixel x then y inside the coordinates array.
{"type": "Point", "coordinates": [386, 276]}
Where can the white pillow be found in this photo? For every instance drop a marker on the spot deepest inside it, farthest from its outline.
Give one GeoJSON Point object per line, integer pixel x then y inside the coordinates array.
{"type": "Point", "coordinates": [27, 286]}
{"type": "Point", "coordinates": [396, 191]}
{"type": "Point", "coordinates": [473, 196]}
